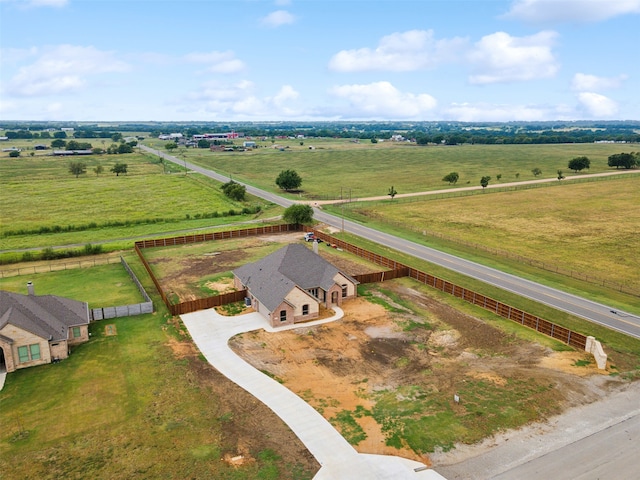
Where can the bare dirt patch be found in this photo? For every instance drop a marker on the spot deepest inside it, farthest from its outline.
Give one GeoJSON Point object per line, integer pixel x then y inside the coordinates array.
{"type": "Point", "coordinates": [340, 366]}
{"type": "Point", "coordinates": [250, 426]}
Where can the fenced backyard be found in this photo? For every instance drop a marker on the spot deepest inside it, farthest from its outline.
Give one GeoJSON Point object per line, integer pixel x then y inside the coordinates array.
{"type": "Point", "coordinates": [396, 270]}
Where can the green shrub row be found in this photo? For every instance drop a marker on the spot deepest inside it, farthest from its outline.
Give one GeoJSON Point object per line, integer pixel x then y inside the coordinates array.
{"type": "Point", "coordinates": [51, 254]}
{"type": "Point", "coordinates": [126, 223]}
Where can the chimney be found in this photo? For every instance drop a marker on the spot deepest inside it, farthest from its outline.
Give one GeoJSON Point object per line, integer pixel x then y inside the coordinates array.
{"type": "Point", "coordinates": [30, 289]}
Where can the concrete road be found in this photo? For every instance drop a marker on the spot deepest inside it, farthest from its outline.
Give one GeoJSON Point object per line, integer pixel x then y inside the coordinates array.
{"type": "Point", "coordinates": [595, 312]}
{"type": "Point", "coordinates": [590, 442]}
{"type": "Point", "coordinates": [611, 453]}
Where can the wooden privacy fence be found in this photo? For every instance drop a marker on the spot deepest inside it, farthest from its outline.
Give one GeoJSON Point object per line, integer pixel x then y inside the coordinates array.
{"type": "Point", "coordinates": [206, 237]}
{"type": "Point", "coordinates": [216, 300]}
{"type": "Point", "coordinates": [574, 339]}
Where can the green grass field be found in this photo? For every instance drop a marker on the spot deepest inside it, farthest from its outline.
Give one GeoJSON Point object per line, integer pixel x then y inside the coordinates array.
{"type": "Point", "coordinates": [364, 170]}
{"type": "Point", "coordinates": [588, 229]}
{"type": "Point", "coordinates": [99, 286]}
{"type": "Point", "coordinates": [122, 406]}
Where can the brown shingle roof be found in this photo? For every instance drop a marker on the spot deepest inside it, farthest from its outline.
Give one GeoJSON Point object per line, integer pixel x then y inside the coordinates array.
{"type": "Point", "coordinates": [47, 316]}
{"type": "Point", "coordinates": [273, 277]}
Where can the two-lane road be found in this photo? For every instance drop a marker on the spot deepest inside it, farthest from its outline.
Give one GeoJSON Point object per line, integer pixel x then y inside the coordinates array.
{"type": "Point", "coordinates": [595, 312]}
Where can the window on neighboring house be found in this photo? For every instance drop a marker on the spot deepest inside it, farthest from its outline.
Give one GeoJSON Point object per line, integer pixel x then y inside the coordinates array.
{"type": "Point", "coordinates": [283, 315]}
{"type": "Point", "coordinates": [344, 291]}
{"type": "Point", "coordinates": [76, 332]}
{"type": "Point", "coordinates": [23, 354]}
{"type": "Point", "coordinates": [305, 309]}
{"type": "Point", "coordinates": [28, 353]}
{"type": "Point", "coordinates": [314, 292]}
{"type": "Point", "coordinates": [35, 351]}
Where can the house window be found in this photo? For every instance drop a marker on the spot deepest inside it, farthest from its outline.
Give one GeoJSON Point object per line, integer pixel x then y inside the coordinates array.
{"type": "Point", "coordinates": [344, 291]}
{"type": "Point", "coordinates": [76, 332]}
{"type": "Point", "coordinates": [34, 350]}
{"type": "Point", "coordinates": [23, 354]}
{"type": "Point", "coordinates": [305, 309]}
{"type": "Point", "coordinates": [283, 315]}
{"type": "Point", "coordinates": [314, 292]}
{"type": "Point", "coordinates": [28, 353]}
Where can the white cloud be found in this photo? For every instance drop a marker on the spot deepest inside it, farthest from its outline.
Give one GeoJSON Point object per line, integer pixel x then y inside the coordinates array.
{"type": "Point", "coordinates": [383, 100]}
{"type": "Point", "coordinates": [63, 69]}
{"type": "Point", "coordinates": [540, 11]}
{"type": "Point", "coordinates": [240, 100]}
{"type": "Point", "coordinates": [220, 62]}
{"type": "Point", "coordinates": [38, 3]}
{"type": "Point", "coordinates": [485, 112]}
{"type": "Point", "coordinates": [399, 52]}
{"type": "Point", "coordinates": [499, 57]}
{"type": "Point", "coordinates": [597, 106]}
{"type": "Point", "coordinates": [282, 3]}
{"type": "Point", "coordinates": [278, 18]}
{"type": "Point", "coordinates": [583, 82]}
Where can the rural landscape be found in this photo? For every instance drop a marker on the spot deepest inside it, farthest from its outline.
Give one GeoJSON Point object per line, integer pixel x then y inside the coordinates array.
{"type": "Point", "coordinates": [409, 371]}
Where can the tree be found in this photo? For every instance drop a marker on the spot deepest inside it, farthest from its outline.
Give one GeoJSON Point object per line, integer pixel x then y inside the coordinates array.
{"type": "Point", "coordinates": [288, 180]}
{"type": "Point", "coordinates": [202, 143]}
{"type": "Point", "coordinates": [625, 160]}
{"type": "Point", "coordinates": [579, 163]}
{"type": "Point", "coordinates": [171, 146]}
{"type": "Point", "coordinates": [119, 168]}
{"type": "Point", "coordinates": [484, 181]}
{"type": "Point", "coordinates": [299, 214]}
{"type": "Point", "coordinates": [125, 148]}
{"type": "Point", "coordinates": [77, 168]}
{"type": "Point", "coordinates": [392, 192]}
{"type": "Point", "coordinates": [14, 153]}
{"type": "Point", "coordinates": [116, 137]}
{"type": "Point", "coordinates": [536, 172]}
{"type": "Point", "coordinates": [98, 169]}
{"type": "Point", "coordinates": [58, 143]}
{"type": "Point", "coordinates": [452, 178]}
{"type": "Point", "coordinates": [234, 190]}
{"type": "Point", "coordinates": [560, 175]}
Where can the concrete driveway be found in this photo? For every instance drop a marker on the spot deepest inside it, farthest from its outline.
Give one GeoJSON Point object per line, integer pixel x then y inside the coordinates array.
{"type": "Point", "coordinates": [338, 459]}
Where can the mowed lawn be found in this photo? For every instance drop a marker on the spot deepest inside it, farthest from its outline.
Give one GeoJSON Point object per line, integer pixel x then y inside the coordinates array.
{"type": "Point", "coordinates": [99, 286]}
{"type": "Point", "coordinates": [122, 406]}
{"type": "Point", "coordinates": [591, 228]}
{"type": "Point", "coordinates": [39, 191]}
{"type": "Point", "coordinates": [361, 170]}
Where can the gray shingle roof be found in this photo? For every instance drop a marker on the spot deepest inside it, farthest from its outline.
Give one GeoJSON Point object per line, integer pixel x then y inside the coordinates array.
{"type": "Point", "coordinates": [47, 316]}
{"type": "Point", "coordinates": [273, 277]}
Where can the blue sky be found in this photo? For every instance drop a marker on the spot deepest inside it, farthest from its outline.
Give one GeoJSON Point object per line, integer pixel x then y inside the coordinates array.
{"type": "Point", "coordinates": [305, 60]}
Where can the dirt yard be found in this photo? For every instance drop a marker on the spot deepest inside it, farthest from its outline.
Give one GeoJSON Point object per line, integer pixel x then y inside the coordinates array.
{"type": "Point", "coordinates": [340, 366]}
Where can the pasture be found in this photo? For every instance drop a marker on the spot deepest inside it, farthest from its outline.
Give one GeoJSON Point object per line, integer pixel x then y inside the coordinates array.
{"type": "Point", "coordinates": [363, 170]}
{"type": "Point", "coordinates": [50, 206]}
{"type": "Point", "coordinates": [587, 228]}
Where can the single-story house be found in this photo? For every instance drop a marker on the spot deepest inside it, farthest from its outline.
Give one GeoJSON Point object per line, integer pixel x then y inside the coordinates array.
{"type": "Point", "coordinates": [289, 285]}
{"type": "Point", "coordinates": [39, 329]}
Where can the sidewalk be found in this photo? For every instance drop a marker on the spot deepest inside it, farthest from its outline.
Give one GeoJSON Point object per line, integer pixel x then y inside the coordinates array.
{"type": "Point", "coordinates": [339, 460]}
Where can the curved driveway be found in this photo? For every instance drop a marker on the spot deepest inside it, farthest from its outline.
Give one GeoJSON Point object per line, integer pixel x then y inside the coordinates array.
{"type": "Point", "coordinates": [595, 312]}
{"type": "Point", "coordinates": [338, 459]}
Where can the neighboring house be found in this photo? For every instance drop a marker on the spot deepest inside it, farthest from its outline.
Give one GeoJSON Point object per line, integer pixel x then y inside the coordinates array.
{"type": "Point", "coordinates": [289, 285]}
{"type": "Point", "coordinates": [39, 329]}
